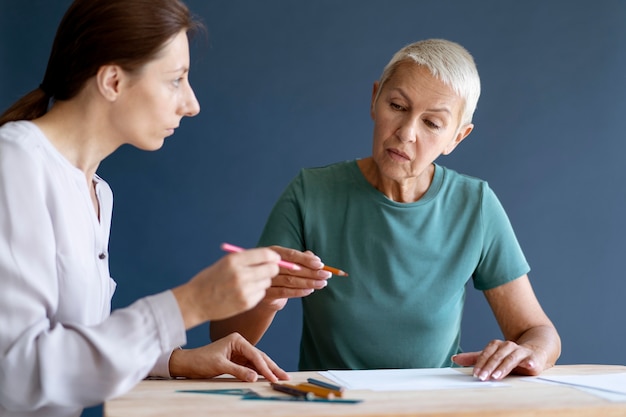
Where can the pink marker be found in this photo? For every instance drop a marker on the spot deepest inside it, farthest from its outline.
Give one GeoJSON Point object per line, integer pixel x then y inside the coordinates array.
{"type": "Point", "coordinates": [232, 248]}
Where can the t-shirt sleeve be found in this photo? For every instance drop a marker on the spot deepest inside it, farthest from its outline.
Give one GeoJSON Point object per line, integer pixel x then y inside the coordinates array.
{"type": "Point", "coordinates": [284, 226]}
{"type": "Point", "coordinates": [502, 259]}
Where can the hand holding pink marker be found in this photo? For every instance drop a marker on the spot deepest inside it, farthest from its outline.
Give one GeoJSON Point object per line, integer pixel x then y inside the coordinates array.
{"type": "Point", "coordinates": [232, 248]}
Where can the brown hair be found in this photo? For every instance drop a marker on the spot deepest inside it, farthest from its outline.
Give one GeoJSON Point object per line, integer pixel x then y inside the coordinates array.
{"type": "Point", "coordinates": [94, 33]}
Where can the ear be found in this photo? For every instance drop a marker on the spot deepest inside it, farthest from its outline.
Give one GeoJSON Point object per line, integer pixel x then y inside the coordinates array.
{"type": "Point", "coordinates": [108, 79]}
{"type": "Point", "coordinates": [372, 103]}
{"type": "Point", "coordinates": [461, 134]}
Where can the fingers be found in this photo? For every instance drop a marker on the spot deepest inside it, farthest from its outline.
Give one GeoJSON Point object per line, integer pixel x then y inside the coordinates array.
{"type": "Point", "coordinates": [263, 259]}
{"type": "Point", "coordinates": [466, 358]}
{"type": "Point", "coordinates": [277, 293]}
{"type": "Point", "coordinates": [306, 259]}
{"type": "Point", "coordinates": [500, 358]}
{"type": "Point", "coordinates": [253, 357]}
{"type": "Point", "coordinates": [240, 372]}
{"type": "Point", "coordinates": [257, 256]}
{"type": "Point", "coordinates": [234, 284]}
{"type": "Point", "coordinates": [296, 284]}
{"type": "Point", "coordinates": [286, 287]}
{"type": "Point", "coordinates": [303, 280]}
{"type": "Point", "coordinates": [241, 288]}
{"type": "Point", "coordinates": [231, 355]}
{"type": "Point", "coordinates": [262, 363]}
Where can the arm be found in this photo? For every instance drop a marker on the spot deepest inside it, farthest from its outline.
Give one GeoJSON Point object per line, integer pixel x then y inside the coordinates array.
{"type": "Point", "coordinates": [235, 283]}
{"type": "Point", "coordinates": [284, 227]}
{"type": "Point", "coordinates": [55, 297]}
{"type": "Point", "coordinates": [531, 343]}
{"type": "Point", "coordinates": [253, 323]}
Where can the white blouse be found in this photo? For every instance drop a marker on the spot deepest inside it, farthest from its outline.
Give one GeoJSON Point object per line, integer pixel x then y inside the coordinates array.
{"type": "Point", "coordinates": [61, 348]}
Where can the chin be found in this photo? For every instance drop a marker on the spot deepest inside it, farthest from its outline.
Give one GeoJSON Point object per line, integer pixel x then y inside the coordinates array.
{"type": "Point", "coordinates": [152, 146]}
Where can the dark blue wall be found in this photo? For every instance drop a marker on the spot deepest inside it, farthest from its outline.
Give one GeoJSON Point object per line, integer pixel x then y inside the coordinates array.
{"type": "Point", "coordinates": [286, 84]}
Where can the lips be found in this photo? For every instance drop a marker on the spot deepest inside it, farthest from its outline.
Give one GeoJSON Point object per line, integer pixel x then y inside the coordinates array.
{"type": "Point", "coordinates": [397, 154]}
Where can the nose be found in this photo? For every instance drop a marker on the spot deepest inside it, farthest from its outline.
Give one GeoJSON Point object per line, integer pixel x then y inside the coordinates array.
{"type": "Point", "coordinates": [190, 106]}
{"type": "Point", "coordinates": [408, 129]}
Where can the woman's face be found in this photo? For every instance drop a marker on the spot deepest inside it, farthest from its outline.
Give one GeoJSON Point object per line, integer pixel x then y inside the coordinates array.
{"type": "Point", "coordinates": [416, 119]}
{"type": "Point", "coordinates": [155, 99]}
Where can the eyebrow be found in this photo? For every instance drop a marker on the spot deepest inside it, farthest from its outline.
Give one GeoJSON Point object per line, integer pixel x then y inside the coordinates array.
{"type": "Point", "coordinates": [440, 110]}
{"type": "Point", "coordinates": [184, 69]}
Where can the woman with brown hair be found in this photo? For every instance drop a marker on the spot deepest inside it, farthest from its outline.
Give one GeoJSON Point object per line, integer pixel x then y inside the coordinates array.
{"type": "Point", "coordinates": [117, 74]}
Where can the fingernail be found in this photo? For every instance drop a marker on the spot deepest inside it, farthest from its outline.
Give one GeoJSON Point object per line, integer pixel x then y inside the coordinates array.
{"type": "Point", "coordinates": [320, 284]}
{"type": "Point", "coordinates": [476, 372]}
{"type": "Point", "coordinates": [483, 376]}
{"type": "Point", "coordinates": [496, 375]}
{"type": "Point", "coordinates": [324, 274]}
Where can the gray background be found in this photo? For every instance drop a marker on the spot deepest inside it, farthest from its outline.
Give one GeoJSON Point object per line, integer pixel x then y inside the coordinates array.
{"type": "Point", "coordinates": [286, 84]}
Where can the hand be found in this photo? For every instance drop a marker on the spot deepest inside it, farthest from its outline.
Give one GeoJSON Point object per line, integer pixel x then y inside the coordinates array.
{"type": "Point", "coordinates": [499, 358]}
{"type": "Point", "coordinates": [295, 284]}
{"type": "Point", "coordinates": [232, 285]}
{"type": "Point", "coordinates": [231, 355]}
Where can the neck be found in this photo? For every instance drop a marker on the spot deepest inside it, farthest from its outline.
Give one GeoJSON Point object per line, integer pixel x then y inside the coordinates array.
{"type": "Point", "coordinates": [404, 190]}
{"type": "Point", "coordinates": [78, 133]}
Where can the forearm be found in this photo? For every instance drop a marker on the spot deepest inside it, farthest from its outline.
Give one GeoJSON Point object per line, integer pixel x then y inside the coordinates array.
{"type": "Point", "coordinates": [251, 324]}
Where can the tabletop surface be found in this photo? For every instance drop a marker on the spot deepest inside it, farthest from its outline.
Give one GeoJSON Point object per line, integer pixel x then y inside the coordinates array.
{"type": "Point", "coordinates": [518, 398]}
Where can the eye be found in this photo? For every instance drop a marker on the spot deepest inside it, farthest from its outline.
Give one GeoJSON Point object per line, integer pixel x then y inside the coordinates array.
{"type": "Point", "coordinates": [177, 81]}
{"type": "Point", "coordinates": [395, 106]}
{"type": "Point", "coordinates": [432, 124]}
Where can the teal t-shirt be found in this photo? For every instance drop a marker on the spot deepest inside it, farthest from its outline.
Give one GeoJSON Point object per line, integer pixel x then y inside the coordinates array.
{"type": "Point", "coordinates": [402, 303]}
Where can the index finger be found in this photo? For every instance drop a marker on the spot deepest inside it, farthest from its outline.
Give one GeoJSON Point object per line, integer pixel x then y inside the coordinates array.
{"type": "Point", "coordinates": [499, 363]}
{"type": "Point", "coordinates": [264, 364]}
{"type": "Point", "coordinates": [305, 259]}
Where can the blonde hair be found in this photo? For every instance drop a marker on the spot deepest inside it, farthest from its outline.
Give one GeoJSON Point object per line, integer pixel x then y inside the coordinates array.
{"type": "Point", "coordinates": [447, 61]}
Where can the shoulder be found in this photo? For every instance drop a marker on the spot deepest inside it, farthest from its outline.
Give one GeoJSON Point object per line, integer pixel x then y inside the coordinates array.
{"type": "Point", "coordinates": [324, 176]}
{"type": "Point", "coordinates": [469, 186]}
{"type": "Point", "coordinates": [20, 143]}
{"type": "Point", "coordinates": [332, 171]}
{"type": "Point", "coordinates": [466, 191]}
{"type": "Point", "coordinates": [322, 183]}
{"type": "Point", "coordinates": [22, 134]}
{"type": "Point", "coordinates": [454, 178]}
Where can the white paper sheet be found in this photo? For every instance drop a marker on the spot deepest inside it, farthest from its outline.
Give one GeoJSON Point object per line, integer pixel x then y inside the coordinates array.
{"type": "Point", "coordinates": [407, 379]}
{"type": "Point", "coordinates": [609, 386]}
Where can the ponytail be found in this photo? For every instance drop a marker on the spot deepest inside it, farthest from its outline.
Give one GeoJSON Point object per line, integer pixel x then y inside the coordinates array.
{"type": "Point", "coordinates": [31, 106]}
